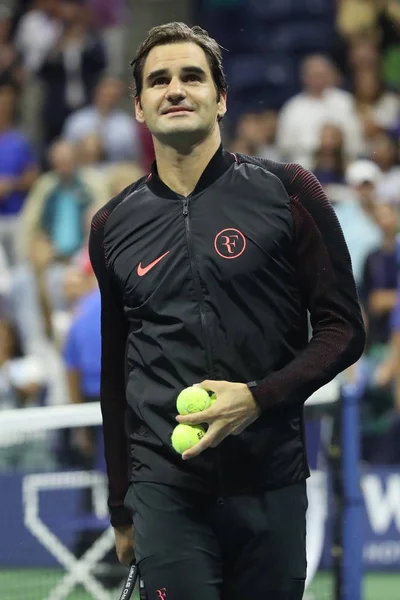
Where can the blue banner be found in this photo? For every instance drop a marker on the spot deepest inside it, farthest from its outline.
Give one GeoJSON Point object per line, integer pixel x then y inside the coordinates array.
{"type": "Point", "coordinates": [61, 511]}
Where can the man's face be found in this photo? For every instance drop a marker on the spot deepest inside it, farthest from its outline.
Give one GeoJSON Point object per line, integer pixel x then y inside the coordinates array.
{"type": "Point", "coordinates": [179, 99]}
{"type": "Point", "coordinates": [366, 193]}
{"type": "Point", "coordinates": [62, 160]}
{"type": "Point", "coordinates": [109, 93]}
{"type": "Point", "coordinates": [317, 75]}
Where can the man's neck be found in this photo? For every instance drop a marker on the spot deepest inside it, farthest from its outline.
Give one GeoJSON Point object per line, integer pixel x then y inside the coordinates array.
{"type": "Point", "coordinates": [316, 94]}
{"type": "Point", "coordinates": [104, 111]}
{"type": "Point", "coordinates": [182, 171]}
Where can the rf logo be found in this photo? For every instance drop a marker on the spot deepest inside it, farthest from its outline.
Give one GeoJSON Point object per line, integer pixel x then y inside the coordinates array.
{"type": "Point", "coordinates": [230, 243]}
{"type": "Point", "coordinates": [162, 594]}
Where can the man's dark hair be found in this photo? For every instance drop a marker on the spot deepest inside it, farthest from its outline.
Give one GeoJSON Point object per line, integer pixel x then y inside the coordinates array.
{"type": "Point", "coordinates": [173, 33]}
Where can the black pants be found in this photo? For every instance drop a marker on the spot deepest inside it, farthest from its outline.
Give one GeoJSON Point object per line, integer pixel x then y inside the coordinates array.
{"type": "Point", "coordinates": [192, 547]}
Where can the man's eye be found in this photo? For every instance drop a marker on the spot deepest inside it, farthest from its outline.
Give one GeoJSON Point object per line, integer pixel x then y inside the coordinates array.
{"type": "Point", "coordinates": [160, 81]}
{"type": "Point", "coordinates": [192, 78]}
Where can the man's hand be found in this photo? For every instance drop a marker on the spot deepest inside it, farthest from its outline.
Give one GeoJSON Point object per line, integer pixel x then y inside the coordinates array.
{"type": "Point", "coordinates": [124, 545]}
{"type": "Point", "coordinates": [233, 411]}
{"type": "Point", "coordinates": [41, 253]}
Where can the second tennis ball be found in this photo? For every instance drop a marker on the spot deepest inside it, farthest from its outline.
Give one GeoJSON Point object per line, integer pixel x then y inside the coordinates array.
{"type": "Point", "coordinates": [193, 399]}
{"type": "Point", "coordinates": [186, 436]}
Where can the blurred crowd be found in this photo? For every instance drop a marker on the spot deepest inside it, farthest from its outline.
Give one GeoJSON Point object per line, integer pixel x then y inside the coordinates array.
{"type": "Point", "coordinates": [67, 145]}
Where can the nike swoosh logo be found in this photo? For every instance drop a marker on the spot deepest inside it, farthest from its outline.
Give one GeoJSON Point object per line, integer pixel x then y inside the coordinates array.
{"type": "Point", "coordinates": [143, 270]}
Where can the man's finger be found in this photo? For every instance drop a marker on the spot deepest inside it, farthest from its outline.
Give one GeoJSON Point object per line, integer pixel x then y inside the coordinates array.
{"type": "Point", "coordinates": [210, 385]}
{"type": "Point", "coordinates": [203, 444]}
{"type": "Point", "coordinates": [204, 416]}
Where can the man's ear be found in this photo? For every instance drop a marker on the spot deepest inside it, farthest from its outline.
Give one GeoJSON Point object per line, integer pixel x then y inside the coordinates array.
{"type": "Point", "coordinates": [222, 105]}
{"type": "Point", "coordinates": [138, 110]}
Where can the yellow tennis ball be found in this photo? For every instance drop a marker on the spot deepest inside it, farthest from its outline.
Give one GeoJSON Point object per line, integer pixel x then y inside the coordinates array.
{"type": "Point", "coordinates": [186, 436]}
{"type": "Point", "coordinates": [192, 399]}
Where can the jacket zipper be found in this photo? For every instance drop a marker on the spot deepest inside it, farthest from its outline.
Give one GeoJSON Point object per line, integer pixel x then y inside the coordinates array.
{"type": "Point", "coordinates": [203, 320]}
{"type": "Point", "coordinates": [199, 293]}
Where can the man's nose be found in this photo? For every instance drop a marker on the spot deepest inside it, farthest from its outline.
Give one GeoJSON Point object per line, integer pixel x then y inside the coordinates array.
{"type": "Point", "coordinates": [176, 91]}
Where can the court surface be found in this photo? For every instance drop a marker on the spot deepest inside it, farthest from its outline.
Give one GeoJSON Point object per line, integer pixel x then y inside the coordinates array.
{"type": "Point", "coordinates": [36, 583]}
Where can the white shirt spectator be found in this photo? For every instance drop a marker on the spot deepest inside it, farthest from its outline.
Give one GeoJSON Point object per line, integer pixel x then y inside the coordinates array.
{"type": "Point", "coordinates": [386, 110]}
{"type": "Point", "coordinates": [361, 232]}
{"type": "Point", "coordinates": [36, 34]}
{"type": "Point", "coordinates": [302, 118]}
{"type": "Point", "coordinates": [117, 131]}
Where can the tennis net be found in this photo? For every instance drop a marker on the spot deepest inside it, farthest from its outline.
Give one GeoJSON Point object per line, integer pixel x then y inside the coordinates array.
{"type": "Point", "coordinates": [56, 542]}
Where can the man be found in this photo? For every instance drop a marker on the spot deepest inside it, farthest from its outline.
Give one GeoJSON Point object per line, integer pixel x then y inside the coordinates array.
{"type": "Point", "coordinates": [356, 213]}
{"type": "Point", "coordinates": [18, 168]}
{"type": "Point", "coordinates": [319, 103]}
{"type": "Point", "coordinates": [206, 269]}
{"type": "Point", "coordinates": [115, 128]}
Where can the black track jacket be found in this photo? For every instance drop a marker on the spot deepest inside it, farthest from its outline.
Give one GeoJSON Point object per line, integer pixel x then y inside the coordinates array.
{"type": "Point", "coordinates": [217, 286]}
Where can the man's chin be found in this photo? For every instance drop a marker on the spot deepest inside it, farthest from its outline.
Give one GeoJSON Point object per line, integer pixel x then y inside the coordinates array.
{"type": "Point", "coordinates": [179, 134]}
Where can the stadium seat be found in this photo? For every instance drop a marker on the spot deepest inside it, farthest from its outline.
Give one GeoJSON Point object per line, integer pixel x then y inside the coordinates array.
{"type": "Point", "coordinates": [294, 37]}
{"type": "Point", "coordinates": [283, 10]}
{"type": "Point", "coordinates": [251, 70]}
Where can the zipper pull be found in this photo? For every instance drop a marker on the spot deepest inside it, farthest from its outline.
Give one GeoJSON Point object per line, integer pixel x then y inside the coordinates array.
{"type": "Point", "coordinates": [185, 207]}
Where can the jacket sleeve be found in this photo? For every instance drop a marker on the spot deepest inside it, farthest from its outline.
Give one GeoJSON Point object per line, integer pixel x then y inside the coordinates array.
{"type": "Point", "coordinates": [326, 284]}
{"type": "Point", "coordinates": [114, 334]}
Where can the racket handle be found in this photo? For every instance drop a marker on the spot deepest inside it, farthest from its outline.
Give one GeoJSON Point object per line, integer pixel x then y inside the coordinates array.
{"type": "Point", "coordinates": [130, 582]}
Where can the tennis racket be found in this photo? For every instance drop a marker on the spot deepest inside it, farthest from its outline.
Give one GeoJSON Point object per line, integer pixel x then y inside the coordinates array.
{"type": "Point", "coordinates": [130, 582]}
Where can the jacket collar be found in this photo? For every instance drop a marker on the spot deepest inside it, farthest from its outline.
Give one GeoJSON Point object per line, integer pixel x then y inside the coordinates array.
{"type": "Point", "coordinates": [220, 162]}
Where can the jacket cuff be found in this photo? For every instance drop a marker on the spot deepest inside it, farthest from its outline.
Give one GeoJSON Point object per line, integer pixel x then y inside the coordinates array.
{"type": "Point", "coordinates": [120, 516]}
{"type": "Point", "coordinates": [265, 396]}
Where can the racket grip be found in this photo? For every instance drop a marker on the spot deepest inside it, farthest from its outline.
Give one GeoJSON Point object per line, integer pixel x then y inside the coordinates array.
{"type": "Point", "coordinates": [130, 582]}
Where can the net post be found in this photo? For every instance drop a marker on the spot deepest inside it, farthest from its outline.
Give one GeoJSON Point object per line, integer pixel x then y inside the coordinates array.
{"type": "Point", "coordinates": [352, 534]}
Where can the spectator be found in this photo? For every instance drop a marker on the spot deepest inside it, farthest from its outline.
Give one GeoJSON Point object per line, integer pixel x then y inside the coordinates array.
{"type": "Point", "coordinates": [120, 175]}
{"type": "Point", "coordinates": [384, 151]}
{"type": "Point", "coordinates": [255, 135]}
{"type": "Point", "coordinates": [377, 108]}
{"type": "Point", "coordinates": [71, 69]}
{"type": "Point", "coordinates": [109, 17]}
{"type": "Point", "coordinates": [115, 128]}
{"type": "Point", "coordinates": [82, 347]}
{"type": "Point", "coordinates": [22, 380]}
{"type": "Point", "coordinates": [18, 169]}
{"type": "Point", "coordinates": [59, 197]}
{"type": "Point", "coordinates": [10, 68]}
{"type": "Point", "coordinates": [38, 31]}
{"type": "Point", "coordinates": [363, 54]}
{"type": "Point", "coordinates": [378, 19]}
{"type": "Point", "coordinates": [321, 102]}
{"type": "Point", "coordinates": [91, 153]}
{"type": "Point", "coordinates": [82, 353]}
{"type": "Point", "coordinates": [357, 214]}
{"type": "Point", "coordinates": [386, 449]}
{"type": "Point", "coordinates": [53, 229]}
{"type": "Point", "coordinates": [380, 277]}
{"type": "Point", "coordinates": [329, 162]}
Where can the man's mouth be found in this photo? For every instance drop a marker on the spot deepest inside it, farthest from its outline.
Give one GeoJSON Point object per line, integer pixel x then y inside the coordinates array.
{"type": "Point", "coordinates": [177, 109]}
